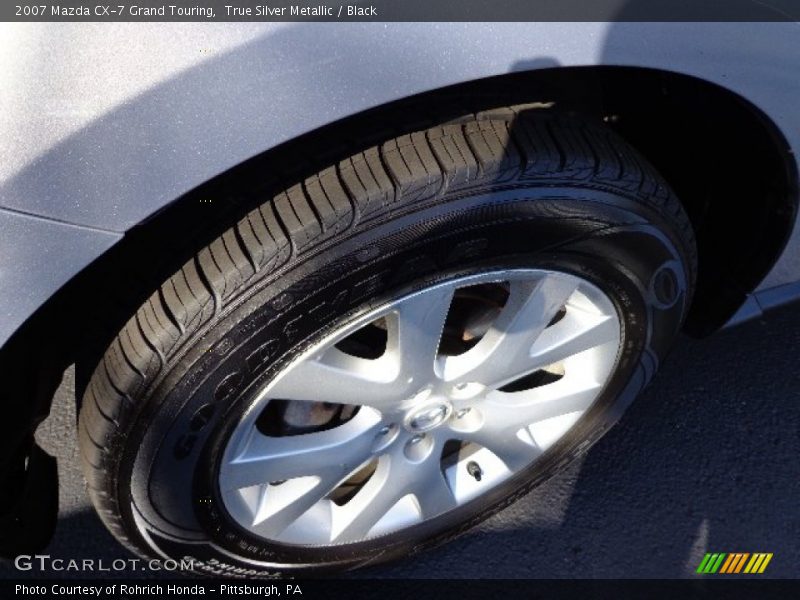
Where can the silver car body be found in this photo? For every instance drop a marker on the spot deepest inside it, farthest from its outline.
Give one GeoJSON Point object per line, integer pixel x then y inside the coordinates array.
{"type": "Point", "coordinates": [103, 125]}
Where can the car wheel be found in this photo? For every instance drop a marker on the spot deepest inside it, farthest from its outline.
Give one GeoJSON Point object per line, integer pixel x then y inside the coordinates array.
{"type": "Point", "coordinates": [385, 354]}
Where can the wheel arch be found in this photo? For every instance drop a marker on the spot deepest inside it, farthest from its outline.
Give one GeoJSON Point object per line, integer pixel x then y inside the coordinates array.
{"type": "Point", "coordinates": [693, 131]}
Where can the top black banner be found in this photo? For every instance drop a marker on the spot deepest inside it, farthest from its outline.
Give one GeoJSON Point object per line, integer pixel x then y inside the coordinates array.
{"type": "Point", "coordinates": [402, 10]}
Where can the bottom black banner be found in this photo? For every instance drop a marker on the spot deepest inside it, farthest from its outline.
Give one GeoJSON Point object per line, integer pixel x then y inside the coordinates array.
{"type": "Point", "coordinates": [389, 589]}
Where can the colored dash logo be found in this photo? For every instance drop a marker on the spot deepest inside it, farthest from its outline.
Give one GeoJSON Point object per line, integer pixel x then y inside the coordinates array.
{"type": "Point", "coordinates": [735, 562]}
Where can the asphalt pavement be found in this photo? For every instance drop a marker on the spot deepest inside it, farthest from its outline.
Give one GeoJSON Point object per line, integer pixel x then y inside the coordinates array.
{"type": "Point", "coordinates": [707, 460]}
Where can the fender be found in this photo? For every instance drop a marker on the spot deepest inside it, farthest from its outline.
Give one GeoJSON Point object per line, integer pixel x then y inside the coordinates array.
{"type": "Point", "coordinates": [110, 150]}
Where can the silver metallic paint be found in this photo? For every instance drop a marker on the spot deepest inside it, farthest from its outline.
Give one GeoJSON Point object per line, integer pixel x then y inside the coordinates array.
{"type": "Point", "coordinates": [101, 125]}
{"type": "Point", "coordinates": [38, 256]}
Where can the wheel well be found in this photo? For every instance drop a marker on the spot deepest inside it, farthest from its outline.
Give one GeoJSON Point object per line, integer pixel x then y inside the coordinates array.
{"type": "Point", "coordinates": [728, 163]}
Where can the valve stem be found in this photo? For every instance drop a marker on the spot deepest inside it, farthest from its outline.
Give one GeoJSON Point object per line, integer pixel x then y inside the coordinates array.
{"type": "Point", "coordinates": [474, 469]}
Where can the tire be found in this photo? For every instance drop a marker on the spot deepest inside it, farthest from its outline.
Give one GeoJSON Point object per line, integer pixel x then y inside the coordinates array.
{"type": "Point", "coordinates": [514, 190]}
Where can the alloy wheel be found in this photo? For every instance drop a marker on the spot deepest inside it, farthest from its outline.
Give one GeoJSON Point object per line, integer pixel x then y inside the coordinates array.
{"type": "Point", "coordinates": [407, 412]}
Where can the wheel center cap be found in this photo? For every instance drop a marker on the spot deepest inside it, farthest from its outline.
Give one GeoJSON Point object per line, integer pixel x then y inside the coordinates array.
{"type": "Point", "coordinates": [428, 417]}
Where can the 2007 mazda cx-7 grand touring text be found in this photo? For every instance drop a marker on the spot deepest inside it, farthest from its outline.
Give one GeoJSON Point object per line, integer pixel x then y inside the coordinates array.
{"type": "Point", "coordinates": [335, 293]}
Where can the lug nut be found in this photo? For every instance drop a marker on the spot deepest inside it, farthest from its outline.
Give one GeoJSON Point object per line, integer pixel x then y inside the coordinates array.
{"type": "Point", "coordinates": [462, 413]}
{"type": "Point", "coordinates": [384, 430]}
{"type": "Point", "coordinates": [416, 439]}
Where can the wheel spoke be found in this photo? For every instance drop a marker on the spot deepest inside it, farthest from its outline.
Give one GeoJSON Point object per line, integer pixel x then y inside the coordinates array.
{"type": "Point", "coordinates": [506, 413]}
{"type": "Point", "coordinates": [367, 507]}
{"type": "Point", "coordinates": [577, 331]}
{"type": "Point", "coordinates": [340, 378]}
{"type": "Point", "coordinates": [394, 478]}
{"type": "Point", "coordinates": [331, 454]}
{"type": "Point", "coordinates": [515, 452]}
{"type": "Point", "coordinates": [274, 515]}
{"type": "Point", "coordinates": [415, 331]}
{"type": "Point", "coordinates": [431, 490]}
{"type": "Point", "coordinates": [504, 352]}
